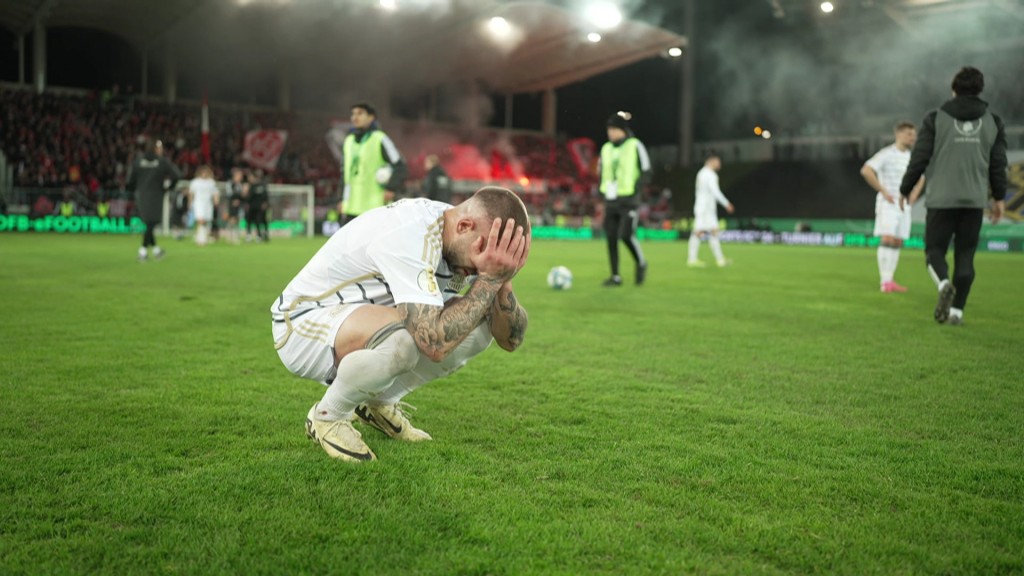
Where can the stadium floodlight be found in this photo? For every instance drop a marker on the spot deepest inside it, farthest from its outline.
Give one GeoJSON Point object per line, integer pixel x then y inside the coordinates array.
{"type": "Point", "coordinates": [827, 7]}
{"type": "Point", "coordinates": [594, 37]}
{"type": "Point", "coordinates": [675, 52]}
{"type": "Point", "coordinates": [766, 134]}
{"type": "Point", "coordinates": [389, 5]}
{"type": "Point", "coordinates": [499, 27]}
{"type": "Point", "coordinates": [604, 15]}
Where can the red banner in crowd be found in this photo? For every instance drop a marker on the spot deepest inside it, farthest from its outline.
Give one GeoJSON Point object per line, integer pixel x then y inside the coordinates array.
{"type": "Point", "coordinates": [263, 148]}
{"type": "Point", "coordinates": [583, 152]}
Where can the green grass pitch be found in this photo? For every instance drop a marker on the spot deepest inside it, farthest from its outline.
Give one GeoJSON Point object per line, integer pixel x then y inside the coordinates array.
{"type": "Point", "coordinates": [778, 416]}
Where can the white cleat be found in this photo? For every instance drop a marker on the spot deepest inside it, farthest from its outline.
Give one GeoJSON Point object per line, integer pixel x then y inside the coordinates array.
{"type": "Point", "coordinates": [338, 438]}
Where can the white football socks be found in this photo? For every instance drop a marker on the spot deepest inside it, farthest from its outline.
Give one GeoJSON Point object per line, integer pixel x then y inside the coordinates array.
{"type": "Point", "coordinates": [364, 374]}
{"type": "Point", "coordinates": [694, 246]}
{"type": "Point", "coordinates": [716, 249]}
{"type": "Point", "coordinates": [888, 258]}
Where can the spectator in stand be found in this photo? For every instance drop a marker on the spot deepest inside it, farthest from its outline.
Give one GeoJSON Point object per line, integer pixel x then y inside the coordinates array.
{"type": "Point", "coordinates": [146, 178]}
{"type": "Point", "coordinates": [436, 184]}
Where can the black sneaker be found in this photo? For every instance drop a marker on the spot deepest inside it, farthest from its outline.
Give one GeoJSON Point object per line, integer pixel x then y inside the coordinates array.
{"type": "Point", "coordinates": [945, 302]}
{"type": "Point", "coordinates": [641, 273]}
{"type": "Point", "coordinates": [613, 281]}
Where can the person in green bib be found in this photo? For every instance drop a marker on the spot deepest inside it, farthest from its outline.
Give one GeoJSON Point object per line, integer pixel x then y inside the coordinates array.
{"type": "Point", "coordinates": [373, 169]}
{"type": "Point", "coordinates": [624, 168]}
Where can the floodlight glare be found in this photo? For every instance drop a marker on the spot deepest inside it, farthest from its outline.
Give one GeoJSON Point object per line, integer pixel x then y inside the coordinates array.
{"type": "Point", "coordinates": [594, 37]}
{"type": "Point", "coordinates": [389, 4]}
{"type": "Point", "coordinates": [766, 134]}
{"type": "Point", "coordinates": [604, 15]}
{"type": "Point", "coordinates": [827, 7]}
{"type": "Point", "coordinates": [499, 26]}
{"type": "Point", "coordinates": [675, 52]}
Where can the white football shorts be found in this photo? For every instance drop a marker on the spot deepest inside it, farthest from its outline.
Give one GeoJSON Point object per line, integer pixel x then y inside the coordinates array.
{"type": "Point", "coordinates": [706, 220]}
{"type": "Point", "coordinates": [308, 347]}
{"type": "Point", "coordinates": [890, 220]}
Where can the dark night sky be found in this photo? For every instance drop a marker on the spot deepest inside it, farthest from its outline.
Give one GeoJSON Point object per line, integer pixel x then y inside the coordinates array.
{"type": "Point", "coordinates": [850, 69]}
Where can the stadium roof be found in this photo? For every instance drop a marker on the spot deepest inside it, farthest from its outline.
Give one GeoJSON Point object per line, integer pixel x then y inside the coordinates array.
{"type": "Point", "coordinates": [424, 41]}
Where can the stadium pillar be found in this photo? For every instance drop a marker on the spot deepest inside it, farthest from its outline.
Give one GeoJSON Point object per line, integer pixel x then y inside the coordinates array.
{"type": "Point", "coordinates": [508, 111]}
{"type": "Point", "coordinates": [144, 85]}
{"type": "Point", "coordinates": [689, 62]}
{"type": "Point", "coordinates": [284, 89]}
{"type": "Point", "coordinates": [473, 110]}
{"type": "Point", "coordinates": [39, 56]}
{"type": "Point", "coordinates": [549, 109]}
{"type": "Point", "coordinates": [170, 74]}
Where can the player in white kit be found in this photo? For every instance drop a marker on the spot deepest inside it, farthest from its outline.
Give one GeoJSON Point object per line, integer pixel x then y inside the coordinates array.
{"type": "Point", "coordinates": [203, 198]}
{"type": "Point", "coordinates": [705, 212]}
{"type": "Point", "coordinates": [402, 295]}
{"type": "Point", "coordinates": [884, 173]}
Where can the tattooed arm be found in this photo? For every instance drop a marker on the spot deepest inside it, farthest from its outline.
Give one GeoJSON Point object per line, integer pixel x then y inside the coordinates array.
{"type": "Point", "coordinates": [507, 319]}
{"type": "Point", "coordinates": [438, 330]}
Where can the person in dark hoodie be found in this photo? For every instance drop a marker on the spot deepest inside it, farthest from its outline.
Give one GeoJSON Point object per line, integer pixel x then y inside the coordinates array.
{"type": "Point", "coordinates": [961, 151]}
{"type": "Point", "coordinates": [372, 168]}
{"type": "Point", "coordinates": [147, 177]}
{"type": "Point", "coordinates": [624, 168]}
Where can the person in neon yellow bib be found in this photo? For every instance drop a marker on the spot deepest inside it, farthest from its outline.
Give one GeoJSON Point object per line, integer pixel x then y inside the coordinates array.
{"type": "Point", "coordinates": [373, 169]}
{"type": "Point", "coordinates": [625, 167]}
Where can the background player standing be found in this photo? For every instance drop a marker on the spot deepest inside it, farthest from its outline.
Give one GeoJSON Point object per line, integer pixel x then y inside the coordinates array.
{"type": "Point", "coordinates": [884, 173]}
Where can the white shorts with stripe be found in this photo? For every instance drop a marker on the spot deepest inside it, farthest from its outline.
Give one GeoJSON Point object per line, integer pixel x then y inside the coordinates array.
{"type": "Point", "coordinates": [308, 350]}
{"type": "Point", "coordinates": [890, 220]}
{"type": "Point", "coordinates": [308, 347]}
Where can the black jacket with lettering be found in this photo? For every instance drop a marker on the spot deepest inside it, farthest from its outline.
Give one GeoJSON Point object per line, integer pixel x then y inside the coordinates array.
{"type": "Point", "coordinates": [146, 178]}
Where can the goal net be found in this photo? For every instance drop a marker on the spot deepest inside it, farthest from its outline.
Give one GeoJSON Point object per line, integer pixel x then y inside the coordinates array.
{"type": "Point", "coordinates": [291, 212]}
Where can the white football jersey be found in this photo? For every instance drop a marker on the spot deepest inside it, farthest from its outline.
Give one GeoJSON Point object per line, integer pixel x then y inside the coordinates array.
{"type": "Point", "coordinates": [203, 192]}
{"type": "Point", "coordinates": [890, 164]}
{"type": "Point", "coordinates": [387, 256]}
{"type": "Point", "coordinates": [708, 192]}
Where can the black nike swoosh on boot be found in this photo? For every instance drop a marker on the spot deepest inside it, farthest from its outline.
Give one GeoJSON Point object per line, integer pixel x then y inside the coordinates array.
{"type": "Point", "coordinates": [356, 455]}
{"type": "Point", "coordinates": [365, 415]}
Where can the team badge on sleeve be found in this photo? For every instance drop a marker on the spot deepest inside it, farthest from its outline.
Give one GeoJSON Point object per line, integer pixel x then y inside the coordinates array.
{"type": "Point", "coordinates": [427, 282]}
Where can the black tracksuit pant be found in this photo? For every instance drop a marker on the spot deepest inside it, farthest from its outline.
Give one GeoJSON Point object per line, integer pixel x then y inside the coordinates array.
{"type": "Point", "coordinates": [963, 227]}
{"type": "Point", "coordinates": [620, 220]}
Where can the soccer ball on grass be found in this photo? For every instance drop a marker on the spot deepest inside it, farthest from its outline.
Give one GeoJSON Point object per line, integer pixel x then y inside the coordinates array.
{"type": "Point", "coordinates": [560, 278]}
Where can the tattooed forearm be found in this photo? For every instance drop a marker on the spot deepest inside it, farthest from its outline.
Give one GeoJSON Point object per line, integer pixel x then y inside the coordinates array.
{"type": "Point", "coordinates": [507, 319]}
{"type": "Point", "coordinates": [438, 330]}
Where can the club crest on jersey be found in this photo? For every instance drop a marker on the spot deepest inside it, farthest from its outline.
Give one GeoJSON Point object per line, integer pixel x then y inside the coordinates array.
{"type": "Point", "coordinates": [969, 128]}
{"type": "Point", "coordinates": [427, 282]}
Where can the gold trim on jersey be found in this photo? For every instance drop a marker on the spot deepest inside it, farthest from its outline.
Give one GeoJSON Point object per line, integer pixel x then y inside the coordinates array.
{"type": "Point", "coordinates": [303, 299]}
{"type": "Point", "coordinates": [432, 241]}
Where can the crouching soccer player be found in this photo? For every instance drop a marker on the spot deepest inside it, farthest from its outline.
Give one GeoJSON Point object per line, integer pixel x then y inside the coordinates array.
{"type": "Point", "coordinates": [376, 313]}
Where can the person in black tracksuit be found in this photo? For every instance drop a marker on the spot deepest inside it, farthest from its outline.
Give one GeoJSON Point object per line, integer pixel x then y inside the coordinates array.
{"type": "Point", "coordinates": [961, 151]}
{"type": "Point", "coordinates": [259, 204]}
{"type": "Point", "coordinates": [436, 184]}
{"type": "Point", "coordinates": [146, 178]}
{"type": "Point", "coordinates": [625, 168]}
